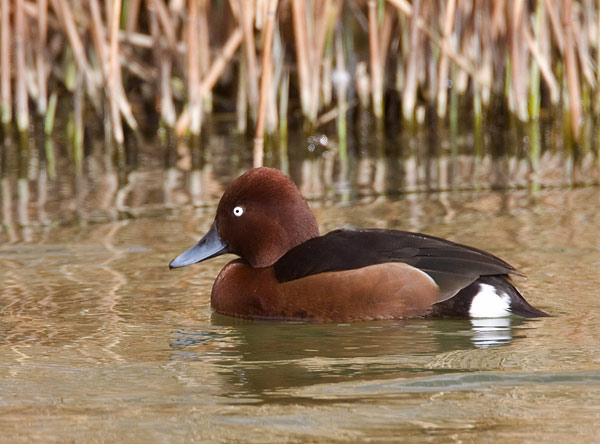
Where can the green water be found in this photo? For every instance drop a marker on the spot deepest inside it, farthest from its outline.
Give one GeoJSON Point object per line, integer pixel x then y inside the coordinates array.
{"type": "Point", "coordinates": [100, 342]}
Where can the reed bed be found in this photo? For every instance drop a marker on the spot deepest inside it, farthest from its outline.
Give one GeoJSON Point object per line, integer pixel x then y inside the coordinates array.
{"type": "Point", "coordinates": [120, 62]}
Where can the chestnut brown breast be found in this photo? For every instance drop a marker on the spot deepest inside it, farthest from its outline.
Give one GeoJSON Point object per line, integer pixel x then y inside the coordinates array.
{"type": "Point", "coordinates": [382, 291]}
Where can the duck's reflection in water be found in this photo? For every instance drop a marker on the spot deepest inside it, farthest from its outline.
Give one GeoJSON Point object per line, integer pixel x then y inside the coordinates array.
{"type": "Point", "coordinates": [261, 358]}
{"type": "Point", "coordinates": [491, 331]}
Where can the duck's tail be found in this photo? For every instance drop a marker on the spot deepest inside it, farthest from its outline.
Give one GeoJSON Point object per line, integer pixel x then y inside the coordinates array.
{"type": "Point", "coordinates": [487, 297]}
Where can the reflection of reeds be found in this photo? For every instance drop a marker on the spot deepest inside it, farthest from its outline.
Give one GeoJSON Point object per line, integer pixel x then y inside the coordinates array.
{"type": "Point", "coordinates": [177, 53]}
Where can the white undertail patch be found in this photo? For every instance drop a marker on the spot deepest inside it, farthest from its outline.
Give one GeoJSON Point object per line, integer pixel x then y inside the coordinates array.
{"type": "Point", "coordinates": [490, 303]}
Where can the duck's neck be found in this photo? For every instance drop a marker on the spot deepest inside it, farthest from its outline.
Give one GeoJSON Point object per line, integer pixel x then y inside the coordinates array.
{"type": "Point", "coordinates": [282, 235]}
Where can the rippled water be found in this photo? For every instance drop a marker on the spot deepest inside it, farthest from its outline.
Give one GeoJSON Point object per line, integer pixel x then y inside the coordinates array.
{"type": "Point", "coordinates": [100, 342]}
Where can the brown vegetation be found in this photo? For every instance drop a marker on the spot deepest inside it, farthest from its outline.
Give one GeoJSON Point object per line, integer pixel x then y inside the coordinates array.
{"type": "Point", "coordinates": [120, 60]}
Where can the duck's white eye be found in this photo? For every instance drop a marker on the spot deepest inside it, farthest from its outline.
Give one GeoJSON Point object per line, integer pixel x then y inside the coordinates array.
{"type": "Point", "coordinates": [238, 211]}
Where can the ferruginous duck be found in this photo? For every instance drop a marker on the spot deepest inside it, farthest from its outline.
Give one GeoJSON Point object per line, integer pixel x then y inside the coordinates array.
{"type": "Point", "coordinates": [287, 271]}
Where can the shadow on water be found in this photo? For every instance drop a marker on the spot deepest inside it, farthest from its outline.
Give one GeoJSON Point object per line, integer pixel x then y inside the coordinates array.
{"type": "Point", "coordinates": [260, 358]}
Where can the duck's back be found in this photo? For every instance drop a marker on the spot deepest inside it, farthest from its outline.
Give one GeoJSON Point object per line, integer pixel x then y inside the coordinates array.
{"type": "Point", "coordinates": [469, 281]}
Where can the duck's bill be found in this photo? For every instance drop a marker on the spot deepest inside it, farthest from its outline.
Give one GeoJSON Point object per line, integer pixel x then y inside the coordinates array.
{"type": "Point", "coordinates": [210, 245]}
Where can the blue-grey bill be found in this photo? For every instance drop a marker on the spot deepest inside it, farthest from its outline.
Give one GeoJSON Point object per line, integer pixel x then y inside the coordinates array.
{"type": "Point", "coordinates": [210, 245]}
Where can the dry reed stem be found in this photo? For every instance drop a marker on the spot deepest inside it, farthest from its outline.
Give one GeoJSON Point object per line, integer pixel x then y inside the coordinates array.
{"type": "Point", "coordinates": [278, 62]}
{"type": "Point", "coordinates": [409, 94]}
{"type": "Point", "coordinates": [598, 54]}
{"type": "Point", "coordinates": [551, 7]}
{"type": "Point", "coordinates": [65, 15]}
{"type": "Point", "coordinates": [203, 37]}
{"type": "Point", "coordinates": [137, 67]}
{"type": "Point", "coordinates": [22, 110]}
{"type": "Point", "coordinates": [107, 12]}
{"type": "Point", "coordinates": [165, 22]}
{"type": "Point", "coordinates": [265, 83]}
{"type": "Point", "coordinates": [163, 59]}
{"type": "Point", "coordinates": [193, 76]}
{"type": "Point", "coordinates": [486, 70]}
{"type": "Point", "coordinates": [241, 108]}
{"type": "Point", "coordinates": [334, 113]}
{"type": "Point", "coordinates": [534, 68]}
{"type": "Point", "coordinates": [234, 7]}
{"type": "Point", "coordinates": [177, 8]}
{"type": "Point", "coordinates": [462, 62]}
{"type": "Point", "coordinates": [571, 70]}
{"type": "Point", "coordinates": [316, 55]}
{"type": "Point", "coordinates": [124, 106]}
{"type": "Point", "coordinates": [544, 66]}
{"type": "Point", "coordinates": [461, 77]}
{"type": "Point", "coordinates": [219, 63]}
{"type": "Point", "coordinates": [5, 59]}
{"type": "Point", "coordinates": [422, 49]}
{"type": "Point", "coordinates": [63, 12]}
{"type": "Point", "coordinates": [498, 20]}
{"type": "Point", "coordinates": [133, 10]}
{"type": "Point", "coordinates": [40, 60]}
{"type": "Point", "coordinates": [114, 69]}
{"type": "Point", "coordinates": [326, 75]}
{"type": "Point", "coordinates": [517, 64]}
{"type": "Point", "coordinates": [386, 35]}
{"type": "Point", "coordinates": [583, 53]}
{"type": "Point", "coordinates": [442, 94]}
{"type": "Point", "coordinates": [115, 90]}
{"type": "Point", "coordinates": [384, 43]}
{"type": "Point", "coordinates": [144, 40]}
{"type": "Point", "coordinates": [247, 13]}
{"type": "Point", "coordinates": [216, 69]}
{"type": "Point", "coordinates": [260, 13]}
{"type": "Point", "coordinates": [376, 69]}
{"type": "Point", "coordinates": [302, 60]}
{"type": "Point", "coordinates": [99, 39]}
{"type": "Point", "coordinates": [326, 81]}
{"type": "Point", "coordinates": [32, 12]}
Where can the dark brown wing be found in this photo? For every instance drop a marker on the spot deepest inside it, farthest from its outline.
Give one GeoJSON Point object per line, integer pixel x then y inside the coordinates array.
{"type": "Point", "coordinates": [452, 266]}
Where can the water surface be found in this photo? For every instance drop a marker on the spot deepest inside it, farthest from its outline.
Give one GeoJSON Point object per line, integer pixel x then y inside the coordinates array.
{"type": "Point", "coordinates": [100, 342]}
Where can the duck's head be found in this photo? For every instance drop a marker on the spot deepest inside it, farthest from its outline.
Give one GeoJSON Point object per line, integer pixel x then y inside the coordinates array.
{"type": "Point", "coordinates": [260, 217]}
